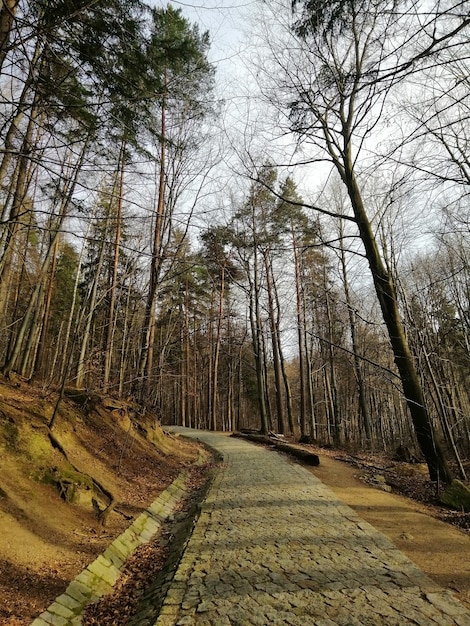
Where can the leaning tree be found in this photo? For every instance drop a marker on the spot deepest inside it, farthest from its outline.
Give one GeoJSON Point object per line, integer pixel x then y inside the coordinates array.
{"type": "Point", "coordinates": [337, 65]}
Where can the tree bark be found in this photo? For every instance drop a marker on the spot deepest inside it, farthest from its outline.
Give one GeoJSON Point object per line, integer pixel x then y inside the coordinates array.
{"type": "Point", "coordinates": [256, 331]}
{"type": "Point", "coordinates": [45, 319]}
{"type": "Point", "coordinates": [275, 345]}
{"type": "Point", "coordinates": [93, 291]}
{"type": "Point", "coordinates": [108, 351]}
{"type": "Point", "coordinates": [218, 339]}
{"type": "Point", "coordinates": [7, 19]}
{"type": "Point", "coordinates": [300, 332]}
{"type": "Point", "coordinates": [428, 440]}
{"type": "Point", "coordinates": [146, 359]}
{"type": "Point", "coordinates": [363, 406]}
{"type": "Point", "coordinates": [333, 388]}
{"type": "Point", "coordinates": [285, 377]}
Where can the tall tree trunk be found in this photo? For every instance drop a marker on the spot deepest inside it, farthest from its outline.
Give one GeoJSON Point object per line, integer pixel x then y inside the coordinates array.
{"type": "Point", "coordinates": [218, 339]}
{"type": "Point", "coordinates": [19, 196]}
{"type": "Point", "coordinates": [231, 369]}
{"type": "Point", "coordinates": [443, 414]}
{"type": "Point", "coordinates": [91, 306]}
{"type": "Point", "coordinates": [45, 319]}
{"type": "Point", "coordinates": [210, 361]}
{"type": "Point", "coordinates": [300, 333]}
{"type": "Point", "coordinates": [33, 303]}
{"type": "Point", "coordinates": [23, 104]}
{"type": "Point", "coordinates": [333, 389]}
{"type": "Point", "coordinates": [238, 424]}
{"type": "Point", "coordinates": [67, 355]}
{"type": "Point", "coordinates": [275, 345]}
{"type": "Point", "coordinates": [182, 370]}
{"type": "Point", "coordinates": [187, 357]}
{"type": "Point", "coordinates": [256, 332]}
{"type": "Point", "coordinates": [310, 396]}
{"type": "Point", "coordinates": [309, 377]}
{"type": "Point", "coordinates": [108, 352]}
{"type": "Point", "coordinates": [68, 192]}
{"type": "Point", "coordinates": [285, 377]}
{"type": "Point", "coordinates": [146, 361]}
{"type": "Point", "coordinates": [427, 437]}
{"type": "Point", "coordinates": [363, 406]}
{"type": "Point", "coordinates": [269, 413]}
{"type": "Point", "coordinates": [31, 314]}
{"type": "Point", "coordinates": [7, 19]}
{"type": "Point", "coordinates": [123, 357]}
{"type": "Point", "coordinates": [439, 399]}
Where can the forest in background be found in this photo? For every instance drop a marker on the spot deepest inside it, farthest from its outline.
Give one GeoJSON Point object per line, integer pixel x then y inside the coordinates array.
{"type": "Point", "coordinates": [264, 314]}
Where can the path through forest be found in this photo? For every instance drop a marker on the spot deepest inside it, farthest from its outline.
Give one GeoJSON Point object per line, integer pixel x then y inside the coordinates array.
{"type": "Point", "coordinates": [440, 550]}
{"type": "Point", "coordinates": [274, 545]}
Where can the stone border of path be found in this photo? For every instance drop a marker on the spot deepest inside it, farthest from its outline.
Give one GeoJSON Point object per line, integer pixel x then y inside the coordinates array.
{"type": "Point", "coordinates": [101, 575]}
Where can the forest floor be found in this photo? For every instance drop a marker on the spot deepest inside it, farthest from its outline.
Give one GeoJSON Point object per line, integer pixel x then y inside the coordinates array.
{"type": "Point", "coordinates": [45, 542]}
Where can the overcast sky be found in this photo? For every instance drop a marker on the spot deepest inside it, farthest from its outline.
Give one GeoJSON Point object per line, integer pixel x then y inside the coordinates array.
{"type": "Point", "coordinates": [225, 21]}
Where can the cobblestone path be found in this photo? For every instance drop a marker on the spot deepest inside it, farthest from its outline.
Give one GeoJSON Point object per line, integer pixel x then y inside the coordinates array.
{"type": "Point", "coordinates": [274, 545]}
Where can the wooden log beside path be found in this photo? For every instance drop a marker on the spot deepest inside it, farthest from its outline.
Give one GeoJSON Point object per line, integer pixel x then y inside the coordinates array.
{"type": "Point", "coordinates": [307, 457]}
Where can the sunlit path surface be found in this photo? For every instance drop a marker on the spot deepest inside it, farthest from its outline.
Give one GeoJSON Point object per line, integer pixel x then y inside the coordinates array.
{"type": "Point", "coordinates": [274, 545]}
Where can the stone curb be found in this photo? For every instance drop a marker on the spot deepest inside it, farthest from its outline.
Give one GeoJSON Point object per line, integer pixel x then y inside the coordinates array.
{"type": "Point", "coordinates": [100, 576]}
{"type": "Point", "coordinates": [174, 596]}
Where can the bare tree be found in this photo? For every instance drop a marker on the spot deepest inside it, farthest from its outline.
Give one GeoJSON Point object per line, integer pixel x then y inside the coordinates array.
{"type": "Point", "coordinates": [335, 71]}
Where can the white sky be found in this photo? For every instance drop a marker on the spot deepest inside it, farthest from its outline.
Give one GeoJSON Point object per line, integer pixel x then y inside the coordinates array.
{"type": "Point", "coordinates": [224, 19]}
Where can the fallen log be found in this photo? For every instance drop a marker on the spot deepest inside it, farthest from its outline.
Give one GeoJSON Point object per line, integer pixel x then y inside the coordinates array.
{"type": "Point", "coordinates": [310, 458]}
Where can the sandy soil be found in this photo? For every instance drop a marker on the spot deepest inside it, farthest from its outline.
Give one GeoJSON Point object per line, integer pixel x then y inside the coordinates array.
{"type": "Point", "coordinates": [44, 540]}
{"type": "Point", "coordinates": [439, 549]}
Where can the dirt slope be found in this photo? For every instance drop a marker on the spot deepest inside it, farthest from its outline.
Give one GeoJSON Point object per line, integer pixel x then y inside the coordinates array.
{"type": "Point", "coordinates": [45, 540]}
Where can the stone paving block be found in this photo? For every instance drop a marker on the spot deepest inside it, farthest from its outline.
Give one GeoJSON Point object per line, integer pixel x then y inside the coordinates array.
{"type": "Point", "coordinates": [164, 498]}
{"type": "Point", "coordinates": [278, 547]}
{"type": "Point", "coordinates": [104, 569]}
{"type": "Point", "coordinates": [61, 610]}
{"type": "Point", "coordinates": [114, 555]}
{"type": "Point", "coordinates": [50, 619]}
{"type": "Point", "coordinates": [78, 591]}
{"type": "Point", "coordinates": [150, 525]}
{"type": "Point", "coordinates": [138, 525]}
{"type": "Point", "coordinates": [86, 578]}
{"type": "Point", "coordinates": [146, 535]}
{"type": "Point", "coordinates": [130, 539]}
{"type": "Point", "coordinates": [175, 596]}
{"type": "Point", "coordinates": [69, 602]}
{"type": "Point", "coordinates": [156, 511]}
{"type": "Point", "coordinates": [122, 549]}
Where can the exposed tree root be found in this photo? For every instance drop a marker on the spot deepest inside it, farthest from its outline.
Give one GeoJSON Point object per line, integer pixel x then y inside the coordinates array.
{"type": "Point", "coordinates": [97, 486]}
